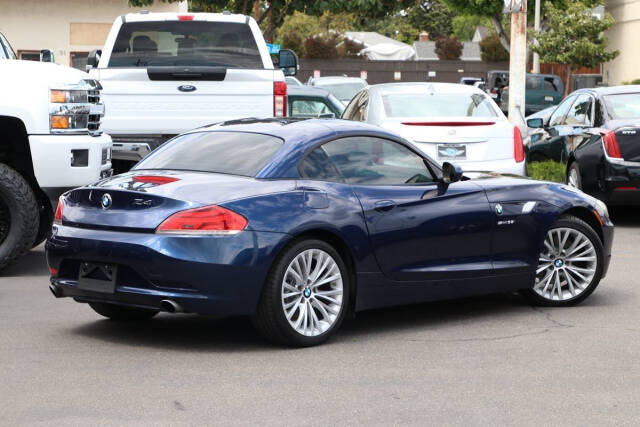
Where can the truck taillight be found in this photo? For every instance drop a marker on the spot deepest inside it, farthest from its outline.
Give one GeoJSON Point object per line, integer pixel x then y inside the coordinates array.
{"type": "Point", "coordinates": [206, 220]}
{"type": "Point", "coordinates": [57, 218]}
{"type": "Point", "coordinates": [611, 144]}
{"type": "Point", "coordinates": [280, 99]}
{"type": "Point", "coordinates": [518, 146]}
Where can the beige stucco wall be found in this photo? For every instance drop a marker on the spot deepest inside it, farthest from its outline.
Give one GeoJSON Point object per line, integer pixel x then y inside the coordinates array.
{"type": "Point", "coordinates": [66, 25]}
{"type": "Point", "coordinates": [624, 36]}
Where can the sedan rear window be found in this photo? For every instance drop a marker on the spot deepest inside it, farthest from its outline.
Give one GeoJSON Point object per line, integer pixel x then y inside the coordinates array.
{"type": "Point", "coordinates": [185, 43]}
{"type": "Point", "coordinates": [623, 106]}
{"type": "Point", "coordinates": [234, 153]}
{"type": "Point", "coordinates": [437, 105]}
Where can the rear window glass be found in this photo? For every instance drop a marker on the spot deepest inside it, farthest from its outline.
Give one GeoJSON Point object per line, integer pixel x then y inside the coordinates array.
{"type": "Point", "coordinates": [343, 91]}
{"type": "Point", "coordinates": [234, 153]}
{"type": "Point", "coordinates": [185, 43]}
{"type": "Point", "coordinates": [623, 106]}
{"type": "Point", "coordinates": [437, 105]}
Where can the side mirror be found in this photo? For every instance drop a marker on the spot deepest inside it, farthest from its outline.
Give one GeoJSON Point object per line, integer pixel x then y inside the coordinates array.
{"type": "Point", "coordinates": [535, 123]}
{"type": "Point", "coordinates": [93, 59]}
{"type": "Point", "coordinates": [46, 55]}
{"type": "Point", "coordinates": [451, 173]}
{"type": "Point", "coordinates": [288, 62]}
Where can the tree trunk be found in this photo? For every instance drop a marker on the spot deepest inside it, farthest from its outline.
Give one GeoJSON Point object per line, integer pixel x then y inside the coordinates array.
{"type": "Point", "coordinates": [497, 23]}
{"type": "Point", "coordinates": [244, 7]}
{"type": "Point", "coordinates": [270, 25]}
{"type": "Point", "coordinates": [256, 9]}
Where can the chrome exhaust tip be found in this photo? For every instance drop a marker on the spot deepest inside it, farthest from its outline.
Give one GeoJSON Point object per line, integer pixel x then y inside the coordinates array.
{"type": "Point", "coordinates": [171, 306]}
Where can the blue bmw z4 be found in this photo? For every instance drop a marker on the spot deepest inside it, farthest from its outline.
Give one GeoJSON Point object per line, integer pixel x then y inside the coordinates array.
{"type": "Point", "coordinates": [296, 223]}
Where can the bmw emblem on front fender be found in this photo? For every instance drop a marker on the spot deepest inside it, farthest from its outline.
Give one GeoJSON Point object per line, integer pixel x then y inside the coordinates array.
{"type": "Point", "coordinates": [186, 88]}
{"type": "Point", "coordinates": [106, 201]}
{"type": "Point", "coordinates": [499, 209]}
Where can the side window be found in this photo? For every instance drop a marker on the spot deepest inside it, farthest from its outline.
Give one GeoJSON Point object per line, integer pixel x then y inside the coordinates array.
{"type": "Point", "coordinates": [558, 115]}
{"type": "Point", "coordinates": [375, 161]}
{"type": "Point", "coordinates": [308, 108]}
{"type": "Point", "coordinates": [580, 112]}
{"type": "Point", "coordinates": [318, 166]}
{"type": "Point", "coordinates": [532, 83]}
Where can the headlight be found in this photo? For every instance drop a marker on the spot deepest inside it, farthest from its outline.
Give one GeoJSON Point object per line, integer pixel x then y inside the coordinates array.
{"type": "Point", "coordinates": [75, 108]}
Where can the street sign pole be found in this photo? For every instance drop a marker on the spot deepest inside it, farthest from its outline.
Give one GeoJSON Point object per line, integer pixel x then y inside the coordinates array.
{"type": "Point", "coordinates": [517, 59]}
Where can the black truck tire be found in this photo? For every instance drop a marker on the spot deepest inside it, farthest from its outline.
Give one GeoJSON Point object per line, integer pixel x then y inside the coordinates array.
{"type": "Point", "coordinates": [19, 218]}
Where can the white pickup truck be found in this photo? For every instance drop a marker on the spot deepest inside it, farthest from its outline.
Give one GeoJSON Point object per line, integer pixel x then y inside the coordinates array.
{"type": "Point", "coordinates": [166, 73]}
{"type": "Point", "coordinates": [50, 141]}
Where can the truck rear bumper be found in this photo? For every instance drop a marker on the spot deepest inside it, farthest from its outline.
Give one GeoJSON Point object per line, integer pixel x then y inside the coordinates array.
{"type": "Point", "coordinates": [136, 147]}
{"type": "Point", "coordinates": [69, 161]}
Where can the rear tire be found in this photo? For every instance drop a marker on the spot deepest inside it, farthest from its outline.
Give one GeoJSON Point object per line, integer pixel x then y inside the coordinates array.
{"type": "Point", "coordinates": [19, 217]}
{"type": "Point", "coordinates": [302, 306]}
{"type": "Point", "coordinates": [574, 177]}
{"type": "Point", "coordinates": [122, 313]}
{"type": "Point", "coordinates": [570, 264]}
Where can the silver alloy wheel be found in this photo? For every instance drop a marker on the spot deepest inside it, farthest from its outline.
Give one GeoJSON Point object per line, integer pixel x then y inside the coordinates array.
{"type": "Point", "coordinates": [573, 178]}
{"type": "Point", "coordinates": [566, 265]}
{"type": "Point", "coordinates": [312, 292]}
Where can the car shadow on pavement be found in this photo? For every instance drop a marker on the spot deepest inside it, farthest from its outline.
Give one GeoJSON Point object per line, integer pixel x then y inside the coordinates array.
{"type": "Point", "coordinates": [34, 263]}
{"type": "Point", "coordinates": [196, 333]}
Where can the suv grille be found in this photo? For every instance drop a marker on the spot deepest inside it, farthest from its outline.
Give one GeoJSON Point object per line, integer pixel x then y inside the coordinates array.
{"type": "Point", "coordinates": [93, 124]}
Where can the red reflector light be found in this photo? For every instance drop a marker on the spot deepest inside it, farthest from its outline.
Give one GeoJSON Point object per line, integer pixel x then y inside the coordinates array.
{"type": "Point", "coordinates": [57, 217]}
{"type": "Point", "coordinates": [611, 144]}
{"type": "Point", "coordinates": [154, 179]}
{"type": "Point", "coordinates": [207, 220]}
{"type": "Point", "coordinates": [280, 99]}
{"type": "Point", "coordinates": [448, 123]}
{"type": "Point", "coordinates": [185, 17]}
{"type": "Point", "coordinates": [53, 271]}
{"type": "Point", "coordinates": [626, 188]}
{"type": "Point", "coordinates": [518, 146]}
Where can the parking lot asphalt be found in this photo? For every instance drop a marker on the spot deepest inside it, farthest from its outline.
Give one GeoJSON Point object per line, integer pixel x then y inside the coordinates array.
{"type": "Point", "coordinates": [482, 361]}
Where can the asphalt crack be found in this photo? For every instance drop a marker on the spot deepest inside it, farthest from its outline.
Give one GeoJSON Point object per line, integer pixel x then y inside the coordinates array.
{"type": "Point", "coordinates": [555, 323]}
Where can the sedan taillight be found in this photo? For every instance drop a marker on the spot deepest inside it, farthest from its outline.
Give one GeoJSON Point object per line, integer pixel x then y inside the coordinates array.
{"type": "Point", "coordinates": [206, 220]}
{"type": "Point", "coordinates": [57, 218]}
{"type": "Point", "coordinates": [611, 144]}
{"type": "Point", "coordinates": [280, 99]}
{"type": "Point", "coordinates": [518, 146]}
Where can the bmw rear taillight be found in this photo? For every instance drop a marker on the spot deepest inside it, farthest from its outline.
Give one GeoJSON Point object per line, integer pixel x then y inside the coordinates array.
{"type": "Point", "coordinates": [611, 144]}
{"type": "Point", "coordinates": [518, 146]}
{"type": "Point", "coordinates": [154, 179]}
{"type": "Point", "coordinates": [206, 220]}
{"type": "Point", "coordinates": [57, 218]}
{"type": "Point", "coordinates": [280, 99]}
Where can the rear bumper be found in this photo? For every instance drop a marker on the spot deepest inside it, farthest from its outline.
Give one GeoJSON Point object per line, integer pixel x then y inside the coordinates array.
{"type": "Point", "coordinates": [207, 275]}
{"type": "Point", "coordinates": [621, 183]}
{"type": "Point", "coordinates": [136, 147]}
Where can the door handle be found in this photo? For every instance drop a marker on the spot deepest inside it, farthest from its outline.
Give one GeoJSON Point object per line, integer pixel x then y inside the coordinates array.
{"type": "Point", "coordinates": [384, 205]}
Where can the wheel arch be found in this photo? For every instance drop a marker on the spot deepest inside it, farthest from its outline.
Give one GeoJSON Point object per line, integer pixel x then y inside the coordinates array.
{"type": "Point", "coordinates": [587, 216]}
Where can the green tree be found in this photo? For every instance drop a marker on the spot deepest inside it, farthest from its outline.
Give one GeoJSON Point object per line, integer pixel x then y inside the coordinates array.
{"type": "Point", "coordinates": [432, 16]}
{"type": "Point", "coordinates": [448, 48]}
{"type": "Point", "coordinates": [464, 26]}
{"type": "Point", "coordinates": [575, 38]}
{"type": "Point", "coordinates": [491, 50]}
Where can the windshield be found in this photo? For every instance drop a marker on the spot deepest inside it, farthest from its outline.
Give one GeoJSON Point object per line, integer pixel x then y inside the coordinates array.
{"type": "Point", "coordinates": [185, 43]}
{"type": "Point", "coordinates": [437, 105]}
{"type": "Point", "coordinates": [234, 153]}
{"type": "Point", "coordinates": [623, 106]}
{"type": "Point", "coordinates": [343, 91]}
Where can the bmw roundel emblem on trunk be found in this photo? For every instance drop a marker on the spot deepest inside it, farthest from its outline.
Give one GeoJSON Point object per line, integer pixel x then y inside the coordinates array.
{"type": "Point", "coordinates": [499, 209]}
{"type": "Point", "coordinates": [106, 201]}
{"type": "Point", "coordinates": [186, 88]}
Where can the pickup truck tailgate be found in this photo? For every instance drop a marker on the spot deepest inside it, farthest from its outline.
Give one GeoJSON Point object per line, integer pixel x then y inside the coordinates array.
{"type": "Point", "coordinates": [137, 105]}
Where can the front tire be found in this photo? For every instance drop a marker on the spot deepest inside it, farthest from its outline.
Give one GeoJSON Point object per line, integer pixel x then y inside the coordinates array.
{"type": "Point", "coordinates": [19, 217]}
{"type": "Point", "coordinates": [569, 266]}
{"type": "Point", "coordinates": [122, 313]}
{"type": "Point", "coordinates": [305, 296]}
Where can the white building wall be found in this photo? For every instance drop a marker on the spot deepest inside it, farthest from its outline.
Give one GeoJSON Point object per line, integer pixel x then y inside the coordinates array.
{"type": "Point", "coordinates": [66, 25]}
{"type": "Point", "coordinates": [624, 36]}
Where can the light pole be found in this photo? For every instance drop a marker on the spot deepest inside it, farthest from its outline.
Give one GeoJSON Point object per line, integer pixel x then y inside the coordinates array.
{"type": "Point", "coordinates": [517, 59]}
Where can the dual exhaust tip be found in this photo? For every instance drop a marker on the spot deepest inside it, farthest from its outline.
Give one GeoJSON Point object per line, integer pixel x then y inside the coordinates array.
{"type": "Point", "coordinates": [167, 305]}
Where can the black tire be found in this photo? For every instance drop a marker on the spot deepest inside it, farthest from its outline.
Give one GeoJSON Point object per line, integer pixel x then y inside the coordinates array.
{"type": "Point", "coordinates": [575, 168]}
{"type": "Point", "coordinates": [570, 221]}
{"type": "Point", "coordinates": [270, 320]}
{"type": "Point", "coordinates": [19, 216]}
{"type": "Point", "coordinates": [122, 313]}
